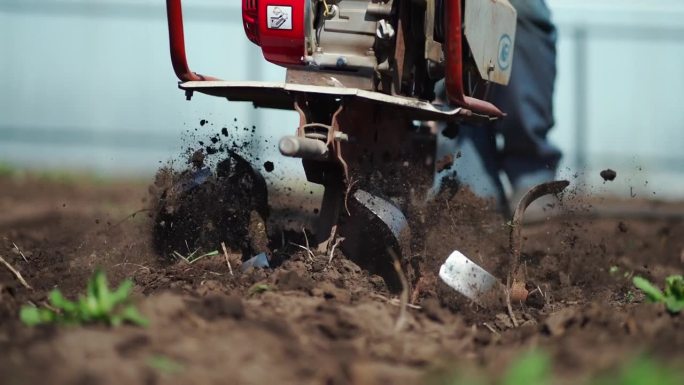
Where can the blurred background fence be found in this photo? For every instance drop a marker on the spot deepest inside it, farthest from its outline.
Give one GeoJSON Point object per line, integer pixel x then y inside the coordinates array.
{"type": "Point", "coordinates": [87, 85]}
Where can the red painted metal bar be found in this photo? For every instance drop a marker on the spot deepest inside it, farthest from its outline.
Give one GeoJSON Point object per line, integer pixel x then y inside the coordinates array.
{"type": "Point", "coordinates": [454, 64]}
{"type": "Point", "coordinates": [454, 49]}
{"type": "Point", "coordinates": [174, 15]}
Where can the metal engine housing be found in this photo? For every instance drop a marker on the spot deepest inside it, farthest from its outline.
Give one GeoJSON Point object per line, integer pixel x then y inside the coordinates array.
{"type": "Point", "coordinates": [339, 35]}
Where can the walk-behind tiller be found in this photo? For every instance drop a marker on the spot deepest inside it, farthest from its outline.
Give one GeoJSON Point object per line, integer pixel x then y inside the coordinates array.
{"type": "Point", "coordinates": [359, 74]}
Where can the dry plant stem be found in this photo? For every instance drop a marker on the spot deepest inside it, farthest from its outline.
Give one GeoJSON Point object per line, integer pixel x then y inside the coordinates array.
{"type": "Point", "coordinates": [328, 244]}
{"type": "Point", "coordinates": [47, 305]}
{"type": "Point", "coordinates": [19, 251]}
{"type": "Point", "coordinates": [309, 253]}
{"type": "Point", "coordinates": [225, 254]}
{"type": "Point", "coordinates": [538, 289]}
{"type": "Point", "coordinates": [395, 301]}
{"type": "Point", "coordinates": [350, 185]}
{"type": "Point", "coordinates": [16, 273]}
{"type": "Point", "coordinates": [308, 248]}
{"type": "Point", "coordinates": [140, 267]}
{"type": "Point", "coordinates": [491, 329]}
{"type": "Point", "coordinates": [403, 298]}
{"type": "Point", "coordinates": [332, 249]}
{"type": "Point", "coordinates": [508, 301]}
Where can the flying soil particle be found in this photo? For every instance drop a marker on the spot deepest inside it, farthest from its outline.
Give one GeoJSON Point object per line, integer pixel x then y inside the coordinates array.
{"type": "Point", "coordinates": [197, 159]}
{"type": "Point", "coordinates": [224, 131]}
{"type": "Point", "coordinates": [608, 175]}
{"type": "Point", "coordinates": [215, 139]}
{"type": "Point", "coordinates": [445, 163]}
{"type": "Point", "coordinates": [203, 122]}
{"type": "Point", "coordinates": [622, 227]}
{"type": "Point", "coordinates": [211, 150]}
{"type": "Point", "coordinates": [268, 166]}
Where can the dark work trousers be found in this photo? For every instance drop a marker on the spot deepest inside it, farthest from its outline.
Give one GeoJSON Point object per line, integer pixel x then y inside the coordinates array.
{"type": "Point", "coordinates": [524, 155]}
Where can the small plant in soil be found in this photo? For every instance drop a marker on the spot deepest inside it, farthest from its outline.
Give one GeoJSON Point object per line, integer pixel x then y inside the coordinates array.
{"type": "Point", "coordinates": [164, 365]}
{"type": "Point", "coordinates": [194, 257]}
{"type": "Point", "coordinates": [533, 368]}
{"type": "Point", "coordinates": [629, 296]}
{"type": "Point", "coordinates": [259, 288]}
{"type": "Point", "coordinates": [641, 371]}
{"type": "Point", "coordinates": [98, 305]}
{"type": "Point", "coordinates": [672, 296]}
{"type": "Point", "coordinates": [536, 368]}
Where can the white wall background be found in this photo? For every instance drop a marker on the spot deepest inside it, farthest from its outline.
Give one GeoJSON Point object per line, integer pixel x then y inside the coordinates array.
{"type": "Point", "coordinates": [619, 84]}
{"type": "Point", "coordinates": [88, 85]}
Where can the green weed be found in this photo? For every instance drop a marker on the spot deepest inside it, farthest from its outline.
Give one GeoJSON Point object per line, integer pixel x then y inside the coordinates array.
{"type": "Point", "coordinates": [98, 305]}
{"type": "Point", "coordinates": [533, 368]}
{"type": "Point", "coordinates": [672, 296]}
{"type": "Point", "coordinates": [7, 169]}
{"type": "Point", "coordinates": [641, 371]}
{"type": "Point", "coordinates": [164, 364]}
{"type": "Point", "coordinates": [194, 257]}
{"type": "Point", "coordinates": [259, 288]}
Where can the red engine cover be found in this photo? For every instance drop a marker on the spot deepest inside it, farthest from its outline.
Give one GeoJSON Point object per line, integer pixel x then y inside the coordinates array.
{"type": "Point", "coordinates": [278, 27]}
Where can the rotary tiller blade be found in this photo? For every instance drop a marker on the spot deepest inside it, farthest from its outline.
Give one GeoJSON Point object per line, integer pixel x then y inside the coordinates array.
{"type": "Point", "coordinates": [374, 231]}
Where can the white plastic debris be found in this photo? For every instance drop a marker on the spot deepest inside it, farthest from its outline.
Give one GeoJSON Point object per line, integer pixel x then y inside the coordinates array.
{"type": "Point", "coordinates": [466, 277]}
{"type": "Point", "coordinates": [258, 261]}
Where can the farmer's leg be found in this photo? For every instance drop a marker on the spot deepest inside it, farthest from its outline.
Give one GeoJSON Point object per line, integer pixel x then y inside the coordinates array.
{"type": "Point", "coordinates": [475, 162]}
{"type": "Point", "coordinates": [527, 157]}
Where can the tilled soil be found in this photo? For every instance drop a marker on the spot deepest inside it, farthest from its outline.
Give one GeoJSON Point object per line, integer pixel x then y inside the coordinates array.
{"type": "Point", "coordinates": [309, 320]}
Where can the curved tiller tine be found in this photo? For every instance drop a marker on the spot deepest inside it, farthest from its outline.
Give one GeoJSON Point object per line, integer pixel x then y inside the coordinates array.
{"type": "Point", "coordinates": [374, 231]}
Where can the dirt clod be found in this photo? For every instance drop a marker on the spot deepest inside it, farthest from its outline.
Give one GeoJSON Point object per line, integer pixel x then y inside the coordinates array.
{"type": "Point", "coordinates": [622, 227]}
{"type": "Point", "coordinates": [291, 280]}
{"type": "Point", "coordinates": [216, 306]}
{"type": "Point", "coordinates": [197, 159]}
{"type": "Point", "coordinates": [608, 175]}
{"type": "Point", "coordinates": [444, 163]}
{"type": "Point", "coordinates": [198, 209]}
{"type": "Point", "coordinates": [557, 322]}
